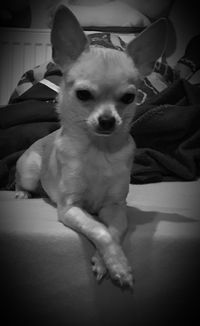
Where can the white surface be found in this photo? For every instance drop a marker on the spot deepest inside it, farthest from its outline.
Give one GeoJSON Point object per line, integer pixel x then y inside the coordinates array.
{"type": "Point", "coordinates": [172, 197]}
{"type": "Point", "coordinates": [49, 271]}
{"type": "Point", "coordinates": [181, 198]}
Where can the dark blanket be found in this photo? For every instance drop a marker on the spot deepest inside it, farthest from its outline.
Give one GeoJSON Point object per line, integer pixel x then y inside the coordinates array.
{"type": "Point", "coordinates": [166, 130]}
{"type": "Point", "coordinates": [31, 117]}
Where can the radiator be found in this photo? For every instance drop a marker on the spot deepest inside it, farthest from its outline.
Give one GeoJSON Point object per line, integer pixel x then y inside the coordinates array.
{"type": "Point", "coordinates": [20, 50]}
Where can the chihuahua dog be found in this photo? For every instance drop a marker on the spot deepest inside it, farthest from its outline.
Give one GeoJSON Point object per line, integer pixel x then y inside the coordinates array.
{"type": "Point", "coordinates": [84, 167]}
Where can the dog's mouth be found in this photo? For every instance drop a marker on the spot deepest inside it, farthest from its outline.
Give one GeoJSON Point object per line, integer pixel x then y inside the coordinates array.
{"type": "Point", "coordinates": [101, 132]}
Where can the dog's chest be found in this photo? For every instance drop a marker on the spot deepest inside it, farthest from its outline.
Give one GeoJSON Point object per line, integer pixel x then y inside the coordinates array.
{"type": "Point", "coordinates": [91, 177]}
{"type": "Point", "coordinates": [100, 169]}
{"type": "Point", "coordinates": [101, 175]}
{"type": "Point", "coordinates": [96, 177]}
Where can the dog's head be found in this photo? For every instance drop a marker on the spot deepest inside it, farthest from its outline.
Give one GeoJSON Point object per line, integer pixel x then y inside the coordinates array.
{"type": "Point", "coordinates": [99, 89]}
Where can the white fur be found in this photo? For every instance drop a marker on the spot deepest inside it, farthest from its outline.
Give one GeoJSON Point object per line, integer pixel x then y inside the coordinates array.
{"type": "Point", "coordinates": [80, 169]}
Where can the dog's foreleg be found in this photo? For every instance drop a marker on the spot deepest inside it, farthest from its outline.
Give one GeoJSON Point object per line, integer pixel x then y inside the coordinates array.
{"type": "Point", "coordinates": [109, 250]}
{"type": "Point", "coordinates": [27, 173]}
{"type": "Point", "coordinates": [82, 222]}
{"type": "Point", "coordinates": [79, 220]}
{"type": "Point", "coordinates": [115, 217]}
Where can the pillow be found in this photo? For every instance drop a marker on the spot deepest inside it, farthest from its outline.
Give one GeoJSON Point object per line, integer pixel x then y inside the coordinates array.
{"type": "Point", "coordinates": [153, 9]}
{"type": "Point", "coordinates": [115, 13]}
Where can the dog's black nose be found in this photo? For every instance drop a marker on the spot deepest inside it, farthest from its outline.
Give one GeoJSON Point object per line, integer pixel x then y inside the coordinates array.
{"type": "Point", "coordinates": [106, 122]}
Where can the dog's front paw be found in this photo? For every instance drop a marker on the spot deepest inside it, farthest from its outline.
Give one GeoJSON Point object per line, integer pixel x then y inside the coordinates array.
{"type": "Point", "coordinates": [98, 267]}
{"type": "Point", "coordinates": [22, 194]}
{"type": "Point", "coordinates": [123, 276]}
{"type": "Point", "coordinates": [119, 268]}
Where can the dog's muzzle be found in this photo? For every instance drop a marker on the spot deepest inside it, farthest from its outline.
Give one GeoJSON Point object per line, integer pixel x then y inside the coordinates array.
{"type": "Point", "coordinates": [104, 121]}
{"type": "Point", "coordinates": [106, 124]}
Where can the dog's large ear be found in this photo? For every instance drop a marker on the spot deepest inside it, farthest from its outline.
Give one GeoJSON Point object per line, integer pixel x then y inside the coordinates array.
{"type": "Point", "coordinates": [148, 46]}
{"type": "Point", "coordinates": [67, 37]}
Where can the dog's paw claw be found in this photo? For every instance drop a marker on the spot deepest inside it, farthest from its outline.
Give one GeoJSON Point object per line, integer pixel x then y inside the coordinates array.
{"type": "Point", "coordinates": [99, 277]}
{"type": "Point", "coordinates": [125, 280]}
{"type": "Point", "coordinates": [118, 279]}
{"type": "Point", "coordinates": [99, 274]}
{"type": "Point", "coordinates": [98, 267]}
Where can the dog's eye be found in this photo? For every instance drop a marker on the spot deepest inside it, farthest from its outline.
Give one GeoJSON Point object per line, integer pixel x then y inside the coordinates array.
{"type": "Point", "coordinates": [84, 95]}
{"type": "Point", "coordinates": [127, 98]}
